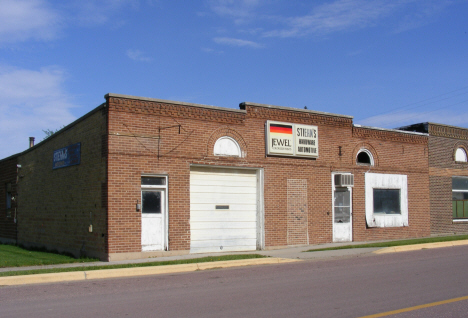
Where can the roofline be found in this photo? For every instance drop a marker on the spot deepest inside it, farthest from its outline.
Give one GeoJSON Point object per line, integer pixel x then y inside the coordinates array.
{"type": "Point", "coordinates": [457, 127]}
{"type": "Point", "coordinates": [242, 105]}
{"type": "Point", "coordinates": [392, 130]}
{"type": "Point", "coordinates": [11, 157]}
{"type": "Point", "coordinates": [174, 102]}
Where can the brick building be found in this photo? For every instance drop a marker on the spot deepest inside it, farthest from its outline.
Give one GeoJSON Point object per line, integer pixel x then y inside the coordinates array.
{"type": "Point", "coordinates": [448, 176]}
{"type": "Point", "coordinates": [140, 177]}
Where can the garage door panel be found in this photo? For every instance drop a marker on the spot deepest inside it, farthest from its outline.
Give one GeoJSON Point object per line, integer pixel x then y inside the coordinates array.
{"type": "Point", "coordinates": [220, 189]}
{"type": "Point", "coordinates": [233, 228]}
{"type": "Point", "coordinates": [215, 246]}
{"type": "Point", "coordinates": [223, 198]}
{"type": "Point", "coordinates": [222, 224]}
{"type": "Point", "coordinates": [223, 217]}
{"type": "Point", "coordinates": [233, 208]}
{"type": "Point", "coordinates": [225, 243]}
{"type": "Point", "coordinates": [224, 234]}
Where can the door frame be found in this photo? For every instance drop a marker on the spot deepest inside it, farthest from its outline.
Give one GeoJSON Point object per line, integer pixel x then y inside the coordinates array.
{"type": "Point", "coordinates": [165, 213]}
{"type": "Point", "coordinates": [350, 189]}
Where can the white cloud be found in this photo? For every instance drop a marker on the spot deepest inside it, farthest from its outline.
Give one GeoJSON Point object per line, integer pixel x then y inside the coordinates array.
{"type": "Point", "coordinates": [337, 16]}
{"type": "Point", "coordinates": [237, 42]}
{"type": "Point", "coordinates": [423, 15]}
{"type": "Point", "coordinates": [31, 101]}
{"type": "Point", "coordinates": [22, 20]}
{"type": "Point", "coordinates": [240, 10]}
{"type": "Point", "coordinates": [95, 12]}
{"type": "Point", "coordinates": [211, 51]}
{"type": "Point", "coordinates": [138, 55]}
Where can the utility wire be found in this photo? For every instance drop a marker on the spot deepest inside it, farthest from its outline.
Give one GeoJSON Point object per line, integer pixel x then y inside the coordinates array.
{"type": "Point", "coordinates": [428, 112]}
{"type": "Point", "coordinates": [403, 108]}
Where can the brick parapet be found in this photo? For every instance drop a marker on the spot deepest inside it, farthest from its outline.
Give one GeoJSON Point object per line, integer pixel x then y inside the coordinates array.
{"type": "Point", "coordinates": [447, 131]}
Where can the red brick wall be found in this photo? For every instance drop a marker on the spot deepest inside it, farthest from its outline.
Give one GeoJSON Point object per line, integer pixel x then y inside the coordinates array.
{"type": "Point", "coordinates": [56, 207]}
{"type": "Point", "coordinates": [396, 153]}
{"type": "Point", "coordinates": [7, 175]}
{"type": "Point", "coordinates": [157, 137]}
{"type": "Point", "coordinates": [442, 168]}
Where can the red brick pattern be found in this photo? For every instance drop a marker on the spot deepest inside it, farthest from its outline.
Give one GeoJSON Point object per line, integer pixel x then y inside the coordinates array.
{"type": "Point", "coordinates": [297, 212]}
{"type": "Point", "coordinates": [442, 167]}
{"type": "Point", "coordinates": [151, 137]}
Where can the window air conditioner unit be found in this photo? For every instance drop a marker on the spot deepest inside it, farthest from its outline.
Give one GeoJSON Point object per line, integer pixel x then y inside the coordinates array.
{"type": "Point", "coordinates": [344, 180]}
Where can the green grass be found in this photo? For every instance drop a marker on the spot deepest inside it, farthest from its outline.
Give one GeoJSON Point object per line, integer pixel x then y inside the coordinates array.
{"type": "Point", "coordinates": [396, 243]}
{"type": "Point", "coordinates": [176, 262]}
{"type": "Point", "coordinates": [15, 256]}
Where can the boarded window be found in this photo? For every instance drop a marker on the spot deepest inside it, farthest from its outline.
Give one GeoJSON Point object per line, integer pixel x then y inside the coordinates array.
{"type": "Point", "coordinates": [460, 155]}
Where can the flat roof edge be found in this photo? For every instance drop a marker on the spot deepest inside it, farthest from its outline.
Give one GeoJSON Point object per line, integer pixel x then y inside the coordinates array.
{"type": "Point", "coordinates": [175, 102]}
{"type": "Point", "coordinates": [392, 130]}
{"type": "Point", "coordinates": [450, 126]}
{"type": "Point", "coordinates": [295, 109]}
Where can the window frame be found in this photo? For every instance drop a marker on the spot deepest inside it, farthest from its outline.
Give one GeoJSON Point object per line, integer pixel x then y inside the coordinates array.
{"type": "Point", "coordinates": [455, 203]}
{"type": "Point", "coordinates": [399, 201]}
{"type": "Point", "coordinates": [367, 152]}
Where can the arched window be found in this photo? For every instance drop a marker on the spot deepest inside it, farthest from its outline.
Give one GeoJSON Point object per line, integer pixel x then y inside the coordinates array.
{"type": "Point", "coordinates": [226, 146]}
{"type": "Point", "coordinates": [364, 157]}
{"type": "Point", "coordinates": [460, 155]}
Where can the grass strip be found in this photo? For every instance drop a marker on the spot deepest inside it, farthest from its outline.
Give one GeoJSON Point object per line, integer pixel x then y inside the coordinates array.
{"type": "Point", "coordinates": [160, 263]}
{"type": "Point", "coordinates": [395, 243]}
{"type": "Point", "coordinates": [15, 256]}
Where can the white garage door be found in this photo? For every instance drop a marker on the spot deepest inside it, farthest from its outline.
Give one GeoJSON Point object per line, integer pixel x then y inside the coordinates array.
{"type": "Point", "coordinates": [223, 210]}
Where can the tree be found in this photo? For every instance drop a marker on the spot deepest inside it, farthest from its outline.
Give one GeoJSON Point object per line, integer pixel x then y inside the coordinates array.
{"type": "Point", "coordinates": [49, 132]}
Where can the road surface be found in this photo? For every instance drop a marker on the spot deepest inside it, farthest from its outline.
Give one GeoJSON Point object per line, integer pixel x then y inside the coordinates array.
{"type": "Point", "coordinates": [339, 287]}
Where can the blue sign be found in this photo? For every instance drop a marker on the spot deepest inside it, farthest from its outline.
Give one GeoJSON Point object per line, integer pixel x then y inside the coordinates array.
{"type": "Point", "coordinates": [67, 156]}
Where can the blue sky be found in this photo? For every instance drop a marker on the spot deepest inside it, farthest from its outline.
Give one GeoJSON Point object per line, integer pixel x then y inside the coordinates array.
{"type": "Point", "coordinates": [387, 63]}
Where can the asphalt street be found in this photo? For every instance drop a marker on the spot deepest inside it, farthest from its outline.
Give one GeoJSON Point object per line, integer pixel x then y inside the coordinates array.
{"type": "Point", "coordinates": [338, 287]}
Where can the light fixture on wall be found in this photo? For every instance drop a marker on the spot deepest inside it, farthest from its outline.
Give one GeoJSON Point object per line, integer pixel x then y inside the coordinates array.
{"type": "Point", "coordinates": [138, 207]}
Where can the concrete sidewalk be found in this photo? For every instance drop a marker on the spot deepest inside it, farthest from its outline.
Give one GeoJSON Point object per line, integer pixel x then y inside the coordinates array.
{"type": "Point", "coordinates": [277, 256]}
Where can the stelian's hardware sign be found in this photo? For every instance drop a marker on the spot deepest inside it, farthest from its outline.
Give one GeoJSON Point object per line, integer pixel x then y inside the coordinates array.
{"type": "Point", "coordinates": [286, 139]}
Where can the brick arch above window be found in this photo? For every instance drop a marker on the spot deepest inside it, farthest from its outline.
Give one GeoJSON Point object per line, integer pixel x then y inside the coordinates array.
{"type": "Point", "coordinates": [361, 150]}
{"type": "Point", "coordinates": [224, 135]}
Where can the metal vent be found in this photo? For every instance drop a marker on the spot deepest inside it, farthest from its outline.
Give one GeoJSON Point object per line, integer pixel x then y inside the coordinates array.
{"type": "Point", "coordinates": [344, 180]}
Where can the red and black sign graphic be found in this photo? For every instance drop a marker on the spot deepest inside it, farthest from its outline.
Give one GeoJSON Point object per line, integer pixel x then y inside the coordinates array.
{"type": "Point", "coordinates": [280, 129]}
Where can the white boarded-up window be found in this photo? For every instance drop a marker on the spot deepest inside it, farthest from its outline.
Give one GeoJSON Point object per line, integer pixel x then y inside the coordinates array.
{"type": "Point", "coordinates": [460, 155]}
{"type": "Point", "coordinates": [226, 146]}
{"type": "Point", "coordinates": [386, 200]}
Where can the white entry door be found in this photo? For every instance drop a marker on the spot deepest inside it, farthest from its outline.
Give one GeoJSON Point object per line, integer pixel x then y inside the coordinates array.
{"type": "Point", "coordinates": [342, 210]}
{"type": "Point", "coordinates": [152, 219]}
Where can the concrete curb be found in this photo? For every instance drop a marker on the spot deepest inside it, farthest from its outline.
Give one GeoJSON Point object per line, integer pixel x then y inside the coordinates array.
{"type": "Point", "coordinates": [135, 271]}
{"type": "Point", "coordinates": [407, 248]}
